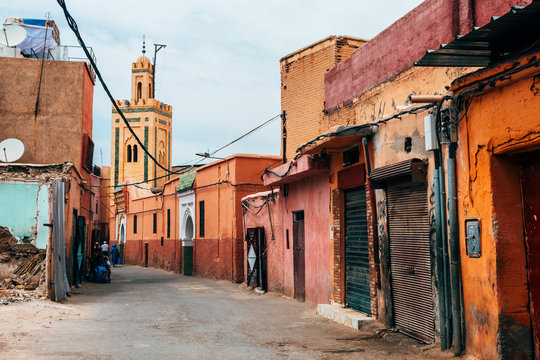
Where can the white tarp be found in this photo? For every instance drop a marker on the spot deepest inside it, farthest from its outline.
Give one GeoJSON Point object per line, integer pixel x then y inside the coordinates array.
{"type": "Point", "coordinates": [38, 38]}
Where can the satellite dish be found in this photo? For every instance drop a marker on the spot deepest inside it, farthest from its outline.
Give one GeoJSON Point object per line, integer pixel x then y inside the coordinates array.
{"type": "Point", "coordinates": [11, 150]}
{"type": "Point", "coordinates": [12, 35]}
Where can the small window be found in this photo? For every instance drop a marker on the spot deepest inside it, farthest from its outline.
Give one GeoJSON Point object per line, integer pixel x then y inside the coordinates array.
{"type": "Point", "coordinates": [351, 156]}
{"type": "Point", "coordinates": [168, 223]}
{"type": "Point", "coordinates": [139, 90]}
{"type": "Point", "coordinates": [129, 153]}
{"type": "Point", "coordinates": [150, 91]}
{"type": "Point", "coordinates": [201, 218]}
{"type": "Point", "coordinates": [134, 224]}
{"type": "Point", "coordinates": [155, 224]}
{"type": "Point", "coordinates": [135, 153]}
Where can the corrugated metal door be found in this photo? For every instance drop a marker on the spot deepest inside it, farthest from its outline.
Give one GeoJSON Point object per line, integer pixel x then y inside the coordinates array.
{"type": "Point", "coordinates": [356, 251]}
{"type": "Point", "coordinates": [410, 264]}
{"type": "Point", "coordinates": [530, 177]}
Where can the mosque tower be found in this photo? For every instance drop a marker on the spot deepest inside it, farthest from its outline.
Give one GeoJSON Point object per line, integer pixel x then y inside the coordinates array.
{"type": "Point", "coordinates": [151, 121]}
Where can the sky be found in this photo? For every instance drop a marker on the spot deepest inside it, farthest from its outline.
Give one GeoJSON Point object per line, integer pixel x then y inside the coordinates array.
{"type": "Point", "coordinates": [220, 69]}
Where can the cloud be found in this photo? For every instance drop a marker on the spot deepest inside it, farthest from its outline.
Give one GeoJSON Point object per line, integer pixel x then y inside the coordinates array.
{"type": "Point", "coordinates": [220, 69]}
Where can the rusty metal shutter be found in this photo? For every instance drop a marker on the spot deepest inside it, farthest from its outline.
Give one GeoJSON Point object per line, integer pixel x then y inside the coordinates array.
{"type": "Point", "coordinates": [410, 260]}
{"type": "Point", "coordinates": [356, 251]}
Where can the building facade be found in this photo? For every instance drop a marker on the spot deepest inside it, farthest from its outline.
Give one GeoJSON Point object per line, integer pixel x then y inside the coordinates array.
{"type": "Point", "coordinates": [151, 121]}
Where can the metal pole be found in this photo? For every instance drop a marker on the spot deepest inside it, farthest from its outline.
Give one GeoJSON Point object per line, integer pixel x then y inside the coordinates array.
{"type": "Point", "coordinates": [157, 47]}
{"type": "Point", "coordinates": [454, 250]}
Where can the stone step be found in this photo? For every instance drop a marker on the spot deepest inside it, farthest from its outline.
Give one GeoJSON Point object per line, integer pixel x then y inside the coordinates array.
{"type": "Point", "coordinates": [349, 317]}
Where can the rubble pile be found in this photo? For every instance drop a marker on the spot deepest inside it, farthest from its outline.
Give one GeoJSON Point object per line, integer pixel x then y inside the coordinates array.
{"type": "Point", "coordinates": [28, 263]}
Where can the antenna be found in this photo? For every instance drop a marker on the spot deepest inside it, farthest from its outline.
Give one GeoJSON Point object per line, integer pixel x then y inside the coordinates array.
{"type": "Point", "coordinates": [11, 150]}
{"type": "Point", "coordinates": [12, 35]}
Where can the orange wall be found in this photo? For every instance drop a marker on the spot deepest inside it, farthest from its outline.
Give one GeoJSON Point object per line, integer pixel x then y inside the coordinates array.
{"type": "Point", "coordinates": [219, 253]}
{"type": "Point", "coordinates": [499, 124]}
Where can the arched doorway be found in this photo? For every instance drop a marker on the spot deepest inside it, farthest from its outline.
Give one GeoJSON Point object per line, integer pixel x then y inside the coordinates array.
{"type": "Point", "coordinates": [188, 228]}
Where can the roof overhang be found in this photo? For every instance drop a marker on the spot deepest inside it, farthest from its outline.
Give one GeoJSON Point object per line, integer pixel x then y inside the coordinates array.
{"type": "Point", "coordinates": [517, 30]}
{"type": "Point", "coordinates": [338, 138]}
{"type": "Point", "coordinates": [295, 170]}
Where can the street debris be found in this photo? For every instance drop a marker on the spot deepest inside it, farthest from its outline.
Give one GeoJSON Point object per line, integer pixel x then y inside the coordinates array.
{"type": "Point", "coordinates": [22, 269]}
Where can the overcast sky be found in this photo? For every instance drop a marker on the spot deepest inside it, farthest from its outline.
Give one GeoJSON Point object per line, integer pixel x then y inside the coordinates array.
{"type": "Point", "coordinates": [220, 70]}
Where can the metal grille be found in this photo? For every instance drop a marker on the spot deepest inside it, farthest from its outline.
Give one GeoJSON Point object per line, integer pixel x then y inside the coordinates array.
{"type": "Point", "coordinates": [408, 231]}
{"type": "Point", "coordinates": [356, 251]}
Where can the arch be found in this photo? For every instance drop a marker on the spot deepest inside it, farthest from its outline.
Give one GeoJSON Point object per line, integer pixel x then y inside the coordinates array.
{"type": "Point", "coordinates": [135, 153]}
{"type": "Point", "coordinates": [122, 235]}
{"type": "Point", "coordinates": [129, 153]}
{"type": "Point", "coordinates": [139, 90]}
{"type": "Point", "coordinates": [188, 225]}
{"type": "Point", "coordinates": [189, 228]}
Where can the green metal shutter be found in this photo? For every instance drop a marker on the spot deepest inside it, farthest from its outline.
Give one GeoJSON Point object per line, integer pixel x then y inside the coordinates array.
{"type": "Point", "coordinates": [357, 295]}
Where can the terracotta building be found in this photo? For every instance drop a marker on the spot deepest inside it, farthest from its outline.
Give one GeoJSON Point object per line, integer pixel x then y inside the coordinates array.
{"type": "Point", "coordinates": [151, 121]}
{"type": "Point", "coordinates": [47, 104]}
{"type": "Point", "coordinates": [302, 73]}
{"type": "Point", "coordinates": [218, 249]}
{"type": "Point", "coordinates": [391, 231]}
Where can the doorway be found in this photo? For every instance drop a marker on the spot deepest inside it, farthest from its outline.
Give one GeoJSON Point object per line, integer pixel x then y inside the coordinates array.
{"type": "Point", "coordinates": [530, 185]}
{"type": "Point", "coordinates": [299, 256]}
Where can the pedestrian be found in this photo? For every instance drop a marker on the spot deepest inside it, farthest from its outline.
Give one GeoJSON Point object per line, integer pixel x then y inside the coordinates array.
{"type": "Point", "coordinates": [115, 254]}
{"type": "Point", "coordinates": [105, 248]}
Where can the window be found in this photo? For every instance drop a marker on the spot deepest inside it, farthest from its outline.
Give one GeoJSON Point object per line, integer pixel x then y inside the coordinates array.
{"type": "Point", "coordinates": [155, 224]}
{"type": "Point", "coordinates": [135, 155]}
{"type": "Point", "coordinates": [134, 224]}
{"type": "Point", "coordinates": [139, 90]}
{"type": "Point", "coordinates": [351, 156]}
{"type": "Point", "coordinates": [150, 91]}
{"type": "Point", "coordinates": [168, 223]}
{"type": "Point", "coordinates": [201, 218]}
{"type": "Point", "coordinates": [129, 153]}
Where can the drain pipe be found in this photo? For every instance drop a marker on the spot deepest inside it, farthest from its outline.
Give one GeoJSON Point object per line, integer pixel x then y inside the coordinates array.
{"type": "Point", "coordinates": [441, 270]}
{"type": "Point", "coordinates": [455, 278]}
{"type": "Point", "coordinates": [373, 205]}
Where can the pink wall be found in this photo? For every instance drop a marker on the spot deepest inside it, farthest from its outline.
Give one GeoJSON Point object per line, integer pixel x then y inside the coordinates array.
{"type": "Point", "coordinates": [313, 196]}
{"type": "Point", "coordinates": [398, 47]}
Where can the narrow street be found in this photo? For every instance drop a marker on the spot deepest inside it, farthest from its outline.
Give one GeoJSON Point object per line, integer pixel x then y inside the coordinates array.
{"type": "Point", "coordinates": [152, 314]}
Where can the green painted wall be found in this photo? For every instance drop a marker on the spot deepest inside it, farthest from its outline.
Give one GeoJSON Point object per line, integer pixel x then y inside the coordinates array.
{"type": "Point", "coordinates": [24, 210]}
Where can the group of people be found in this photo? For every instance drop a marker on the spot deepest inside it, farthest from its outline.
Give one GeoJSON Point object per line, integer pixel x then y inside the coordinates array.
{"type": "Point", "coordinates": [113, 254]}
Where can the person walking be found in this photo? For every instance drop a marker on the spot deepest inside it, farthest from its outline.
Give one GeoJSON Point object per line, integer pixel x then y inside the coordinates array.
{"type": "Point", "coordinates": [115, 255]}
{"type": "Point", "coordinates": [105, 248]}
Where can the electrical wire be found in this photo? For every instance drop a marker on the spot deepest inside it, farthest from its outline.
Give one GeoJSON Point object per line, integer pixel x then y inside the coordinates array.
{"type": "Point", "coordinates": [246, 134]}
{"type": "Point", "coordinates": [73, 26]}
{"type": "Point", "coordinates": [363, 126]}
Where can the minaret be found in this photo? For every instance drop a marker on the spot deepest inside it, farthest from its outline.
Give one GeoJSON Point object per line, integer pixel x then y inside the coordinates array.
{"type": "Point", "coordinates": [151, 121]}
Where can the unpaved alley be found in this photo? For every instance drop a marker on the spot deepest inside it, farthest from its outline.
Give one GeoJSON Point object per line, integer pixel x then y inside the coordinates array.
{"type": "Point", "coordinates": [152, 314]}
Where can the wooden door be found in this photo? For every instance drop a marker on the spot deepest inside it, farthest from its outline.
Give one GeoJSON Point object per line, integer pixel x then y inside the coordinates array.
{"type": "Point", "coordinates": [530, 179]}
{"type": "Point", "coordinates": [299, 256]}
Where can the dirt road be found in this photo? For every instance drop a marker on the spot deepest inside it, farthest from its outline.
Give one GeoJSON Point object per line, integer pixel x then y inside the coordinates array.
{"type": "Point", "coordinates": [151, 314]}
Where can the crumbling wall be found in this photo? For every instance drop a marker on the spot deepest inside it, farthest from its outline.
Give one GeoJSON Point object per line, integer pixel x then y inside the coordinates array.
{"type": "Point", "coordinates": [22, 265]}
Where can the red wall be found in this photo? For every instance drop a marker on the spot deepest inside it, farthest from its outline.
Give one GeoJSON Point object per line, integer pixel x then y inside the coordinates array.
{"type": "Point", "coordinates": [398, 47]}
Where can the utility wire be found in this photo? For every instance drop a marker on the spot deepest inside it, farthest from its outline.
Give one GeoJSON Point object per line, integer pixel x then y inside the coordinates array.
{"type": "Point", "coordinates": [73, 26]}
{"type": "Point", "coordinates": [246, 134]}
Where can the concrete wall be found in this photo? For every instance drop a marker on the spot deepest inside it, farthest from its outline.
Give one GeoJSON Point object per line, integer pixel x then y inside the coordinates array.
{"type": "Point", "coordinates": [54, 134]}
{"type": "Point", "coordinates": [430, 24]}
{"type": "Point", "coordinates": [500, 123]}
{"type": "Point", "coordinates": [166, 254]}
{"type": "Point", "coordinates": [28, 211]}
{"type": "Point", "coordinates": [219, 253]}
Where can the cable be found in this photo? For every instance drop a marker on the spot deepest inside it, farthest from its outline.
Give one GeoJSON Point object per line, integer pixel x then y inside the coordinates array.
{"type": "Point", "coordinates": [363, 126]}
{"type": "Point", "coordinates": [246, 134]}
{"type": "Point", "coordinates": [73, 26]}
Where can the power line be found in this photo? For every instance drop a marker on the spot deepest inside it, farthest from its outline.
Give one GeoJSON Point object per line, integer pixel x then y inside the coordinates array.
{"type": "Point", "coordinates": [73, 26]}
{"type": "Point", "coordinates": [246, 134]}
